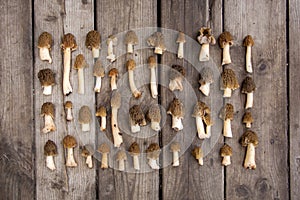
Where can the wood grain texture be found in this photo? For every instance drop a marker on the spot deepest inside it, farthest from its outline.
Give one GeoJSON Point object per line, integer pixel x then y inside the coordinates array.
{"type": "Point", "coordinates": [117, 17]}
{"type": "Point", "coordinates": [189, 180]}
{"type": "Point", "coordinates": [16, 124]}
{"type": "Point", "coordinates": [265, 21]}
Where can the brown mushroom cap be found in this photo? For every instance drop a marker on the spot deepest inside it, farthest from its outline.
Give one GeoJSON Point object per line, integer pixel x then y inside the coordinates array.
{"type": "Point", "coordinates": [45, 40]}
{"type": "Point", "coordinates": [226, 150]}
{"type": "Point", "coordinates": [137, 115]}
{"type": "Point", "coordinates": [131, 38]}
{"type": "Point", "coordinates": [115, 99]}
{"type": "Point", "coordinates": [87, 150]}
{"type": "Point", "coordinates": [99, 69]}
{"type": "Point", "coordinates": [112, 39]}
{"type": "Point", "coordinates": [46, 77]}
{"type": "Point", "coordinates": [93, 40]}
{"type": "Point", "coordinates": [206, 76]}
{"type": "Point", "coordinates": [130, 64]}
{"type": "Point", "coordinates": [48, 109]}
{"type": "Point", "coordinates": [152, 61]}
{"type": "Point", "coordinates": [80, 62]}
{"type": "Point", "coordinates": [181, 38]}
{"type": "Point", "coordinates": [248, 41]}
{"type": "Point", "coordinates": [101, 112]}
{"type": "Point", "coordinates": [249, 137]}
{"type": "Point", "coordinates": [176, 108]}
{"type": "Point", "coordinates": [208, 120]}
{"type": "Point", "coordinates": [177, 71]}
{"type": "Point", "coordinates": [85, 115]}
{"type": "Point", "coordinates": [113, 72]}
{"type": "Point", "coordinates": [197, 153]}
{"type": "Point", "coordinates": [69, 42]}
{"type": "Point", "coordinates": [205, 36]}
{"type": "Point", "coordinates": [247, 118]}
{"type": "Point", "coordinates": [153, 151]}
{"type": "Point", "coordinates": [228, 111]}
{"type": "Point", "coordinates": [50, 148]}
{"type": "Point", "coordinates": [69, 141]}
{"type": "Point", "coordinates": [248, 85]}
{"type": "Point", "coordinates": [175, 146]}
{"type": "Point", "coordinates": [134, 149]}
{"type": "Point", "coordinates": [157, 40]}
{"type": "Point", "coordinates": [104, 148]}
{"type": "Point", "coordinates": [121, 155]}
{"type": "Point", "coordinates": [68, 104]}
{"type": "Point", "coordinates": [229, 79]}
{"type": "Point", "coordinates": [154, 113]}
{"type": "Point", "coordinates": [200, 109]}
{"type": "Point", "coordinates": [225, 38]}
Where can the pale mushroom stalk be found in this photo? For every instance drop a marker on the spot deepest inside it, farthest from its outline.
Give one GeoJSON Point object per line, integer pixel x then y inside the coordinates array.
{"type": "Point", "coordinates": [47, 90]}
{"type": "Point", "coordinates": [176, 84]}
{"type": "Point", "coordinates": [227, 128]}
{"type": "Point", "coordinates": [200, 128]}
{"type": "Point", "coordinates": [134, 127]}
{"type": "Point", "coordinates": [226, 161]}
{"type": "Point", "coordinates": [153, 84]}
{"type": "Point", "coordinates": [226, 54]}
{"type": "Point", "coordinates": [175, 158]}
{"type": "Point", "coordinates": [49, 124]}
{"type": "Point", "coordinates": [129, 48]}
{"type": "Point", "coordinates": [70, 158]}
{"type": "Point", "coordinates": [204, 52]}
{"type": "Point", "coordinates": [45, 54]}
{"type": "Point", "coordinates": [248, 60]}
{"type": "Point", "coordinates": [158, 50]}
{"type": "Point", "coordinates": [80, 81]}
{"type": "Point", "coordinates": [85, 127]}
{"type": "Point", "coordinates": [208, 131]}
{"type": "Point", "coordinates": [180, 50]}
{"type": "Point", "coordinates": [200, 161]}
{"type": "Point", "coordinates": [115, 129]}
{"type": "Point", "coordinates": [153, 163]}
{"type": "Point", "coordinates": [44, 45]}
{"type": "Point", "coordinates": [95, 52]}
{"type": "Point", "coordinates": [104, 161]}
{"type": "Point", "coordinates": [176, 76]}
{"type": "Point", "coordinates": [177, 123]}
{"type": "Point", "coordinates": [67, 88]}
{"type": "Point", "coordinates": [98, 84]}
{"type": "Point", "coordinates": [249, 101]}
{"type": "Point", "coordinates": [250, 157]}
{"type": "Point", "coordinates": [121, 165]}
{"type": "Point", "coordinates": [89, 161]}
{"type": "Point", "coordinates": [155, 125]}
{"type": "Point", "coordinates": [103, 123]}
{"type": "Point", "coordinates": [50, 163]}
{"type": "Point", "coordinates": [227, 92]}
{"type": "Point", "coordinates": [133, 88]}
{"type": "Point", "coordinates": [113, 83]}
{"type": "Point", "coordinates": [136, 163]}
{"type": "Point", "coordinates": [205, 89]}
{"type": "Point", "coordinates": [110, 50]}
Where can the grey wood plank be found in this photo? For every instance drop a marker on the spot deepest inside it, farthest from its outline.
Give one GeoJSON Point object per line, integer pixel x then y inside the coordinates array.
{"type": "Point", "coordinates": [270, 179]}
{"type": "Point", "coordinates": [189, 180]}
{"type": "Point", "coordinates": [16, 126]}
{"type": "Point", "coordinates": [59, 18]}
{"type": "Point", "coordinates": [117, 17]}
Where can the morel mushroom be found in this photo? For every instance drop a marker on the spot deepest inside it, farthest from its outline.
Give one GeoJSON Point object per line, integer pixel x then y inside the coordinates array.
{"type": "Point", "coordinates": [92, 42]}
{"type": "Point", "coordinates": [111, 42]}
{"type": "Point", "coordinates": [137, 118]}
{"type": "Point", "coordinates": [44, 45]}
{"type": "Point", "coordinates": [134, 151]}
{"type": "Point", "coordinates": [131, 39]}
{"type": "Point", "coordinates": [153, 85]}
{"type": "Point", "coordinates": [156, 40]}
{"type": "Point", "coordinates": [225, 41]}
{"type": "Point", "coordinates": [249, 140]}
{"type": "Point", "coordinates": [205, 38]}
{"type": "Point", "coordinates": [198, 155]}
{"type": "Point", "coordinates": [180, 40]}
{"type": "Point", "coordinates": [248, 88]}
{"type": "Point", "coordinates": [80, 64]}
{"type": "Point", "coordinates": [226, 152]}
{"type": "Point", "coordinates": [46, 77]}
{"type": "Point", "coordinates": [69, 143]}
{"type": "Point", "coordinates": [47, 111]}
{"type": "Point", "coordinates": [155, 116]}
{"type": "Point", "coordinates": [101, 112]}
{"type": "Point", "coordinates": [50, 150]}
{"type": "Point", "coordinates": [248, 119]}
{"type": "Point", "coordinates": [115, 105]}
{"type": "Point", "coordinates": [208, 122]}
{"type": "Point", "coordinates": [153, 152]}
{"type": "Point", "coordinates": [99, 73]}
{"type": "Point", "coordinates": [87, 152]}
{"type": "Point", "coordinates": [206, 79]}
{"type": "Point", "coordinates": [248, 43]}
{"type": "Point", "coordinates": [177, 111]}
{"type": "Point", "coordinates": [113, 74]}
{"type": "Point", "coordinates": [177, 75]}
{"type": "Point", "coordinates": [121, 157]}
{"type": "Point", "coordinates": [229, 82]}
{"type": "Point", "coordinates": [175, 148]}
{"type": "Point", "coordinates": [68, 108]}
{"type": "Point", "coordinates": [104, 150]}
{"type": "Point", "coordinates": [227, 115]}
{"type": "Point", "coordinates": [85, 118]}
{"type": "Point", "coordinates": [68, 45]}
{"type": "Point", "coordinates": [130, 65]}
{"type": "Point", "coordinates": [200, 110]}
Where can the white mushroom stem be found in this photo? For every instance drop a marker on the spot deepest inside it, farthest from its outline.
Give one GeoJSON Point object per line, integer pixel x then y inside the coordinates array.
{"type": "Point", "coordinates": [69, 114]}
{"type": "Point", "coordinates": [47, 90]}
{"type": "Point", "coordinates": [208, 131]}
{"type": "Point", "coordinates": [118, 140]}
{"type": "Point", "coordinates": [129, 48]}
{"type": "Point", "coordinates": [153, 85]}
{"type": "Point", "coordinates": [98, 84]}
{"type": "Point", "coordinates": [248, 60]}
{"type": "Point", "coordinates": [155, 125]}
{"type": "Point", "coordinates": [248, 125]}
{"type": "Point", "coordinates": [227, 92]}
{"type": "Point", "coordinates": [85, 127]}
{"type": "Point", "coordinates": [45, 54]}
{"type": "Point", "coordinates": [158, 50]}
{"type": "Point", "coordinates": [113, 83]}
{"type": "Point", "coordinates": [67, 88]}
{"type": "Point", "coordinates": [200, 128]}
{"type": "Point", "coordinates": [49, 124]}
{"type": "Point", "coordinates": [89, 161]}
{"type": "Point", "coordinates": [176, 84]}
{"type": "Point", "coordinates": [177, 123]}
{"type": "Point", "coordinates": [250, 157]}
{"type": "Point", "coordinates": [132, 86]}
{"type": "Point", "coordinates": [204, 52]}
{"type": "Point", "coordinates": [200, 161]}
{"type": "Point", "coordinates": [180, 50]}
{"type": "Point", "coordinates": [110, 52]}
{"type": "Point", "coordinates": [136, 163]}
{"type": "Point", "coordinates": [103, 124]}
{"type": "Point", "coordinates": [50, 163]}
{"type": "Point", "coordinates": [70, 158]}
{"type": "Point", "coordinates": [227, 132]}
{"type": "Point", "coordinates": [226, 161]}
{"type": "Point", "coordinates": [95, 52]}
{"type": "Point", "coordinates": [134, 127]}
{"type": "Point", "coordinates": [80, 81]}
{"type": "Point", "coordinates": [175, 158]}
{"type": "Point", "coordinates": [226, 55]}
{"type": "Point", "coordinates": [153, 163]}
{"type": "Point", "coordinates": [204, 88]}
{"type": "Point", "coordinates": [104, 161]}
{"type": "Point", "coordinates": [249, 100]}
{"type": "Point", "coordinates": [121, 165]}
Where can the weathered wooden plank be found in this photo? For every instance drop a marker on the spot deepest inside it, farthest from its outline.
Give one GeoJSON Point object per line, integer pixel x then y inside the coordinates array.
{"type": "Point", "coordinates": [59, 18]}
{"type": "Point", "coordinates": [265, 21]}
{"type": "Point", "coordinates": [16, 127]}
{"type": "Point", "coordinates": [117, 17]}
{"type": "Point", "coordinates": [189, 180]}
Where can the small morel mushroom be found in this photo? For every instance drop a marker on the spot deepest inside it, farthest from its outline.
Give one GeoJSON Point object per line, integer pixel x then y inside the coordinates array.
{"type": "Point", "coordinates": [50, 150]}
{"type": "Point", "coordinates": [111, 42]}
{"type": "Point", "coordinates": [225, 41]}
{"type": "Point", "coordinates": [226, 152]}
{"type": "Point", "coordinates": [200, 110]}
{"type": "Point", "coordinates": [176, 76]}
{"type": "Point", "coordinates": [248, 87]}
{"type": "Point", "coordinates": [68, 108]}
{"type": "Point", "coordinates": [134, 151]}
{"type": "Point", "coordinates": [175, 148]}
{"type": "Point", "coordinates": [113, 74]}
{"type": "Point", "coordinates": [205, 38]}
{"type": "Point", "coordinates": [156, 40]}
{"type": "Point", "coordinates": [248, 43]}
{"type": "Point", "coordinates": [85, 118]}
{"type": "Point", "coordinates": [131, 39]}
{"type": "Point", "coordinates": [80, 64]}
{"type": "Point", "coordinates": [92, 42]}
{"type": "Point", "coordinates": [229, 82]}
{"type": "Point", "coordinates": [137, 118]}
{"type": "Point", "coordinates": [44, 45]}
{"type": "Point", "coordinates": [248, 119]}
{"type": "Point", "coordinates": [121, 157]}
{"type": "Point", "coordinates": [180, 40]}
{"type": "Point", "coordinates": [153, 152]}
{"type": "Point", "coordinates": [177, 111]}
{"type": "Point", "coordinates": [104, 150]}
{"type": "Point", "coordinates": [69, 143]}
{"type": "Point", "coordinates": [115, 105]}
{"type": "Point", "coordinates": [99, 73]}
{"type": "Point", "coordinates": [68, 45]}
{"type": "Point", "coordinates": [130, 65]}
{"type": "Point", "coordinates": [101, 112]}
{"type": "Point", "coordinates": [206, 79]}
{"type": "Point", "coordinates": [250, 140]}
{"type": "Point", "coordinates": [198, 155]}
{"type": "Point", "coordinates": [227, 115]}
{"type": "Point", "coordinates": [155, 116]}
{"type": "Point", "coordinates": [87, 152]}
{"type": "Point", "coordinates": [46, 77]}
{"type": "Point", "coordinates": [153, 85]}
{"type": "Point", "coordinates": [47, 111]}
{"type": "Point", "coordinates": [208, 122]}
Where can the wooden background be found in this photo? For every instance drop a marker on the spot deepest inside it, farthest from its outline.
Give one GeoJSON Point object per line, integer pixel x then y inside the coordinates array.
{"type": "Point", "coordinates": [275, 26]}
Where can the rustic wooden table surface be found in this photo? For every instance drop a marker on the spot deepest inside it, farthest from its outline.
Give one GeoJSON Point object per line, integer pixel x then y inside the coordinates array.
{"type": "Point", "coordinates": [275, 26]}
